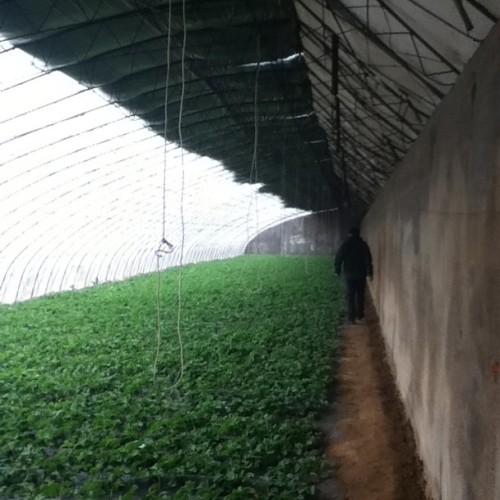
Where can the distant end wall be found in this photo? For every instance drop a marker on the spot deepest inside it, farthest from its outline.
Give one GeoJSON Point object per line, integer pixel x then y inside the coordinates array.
{"type": "Point", "coordinates": [435, 238]}
{"type": "Point", "coordinates": [315, 234]}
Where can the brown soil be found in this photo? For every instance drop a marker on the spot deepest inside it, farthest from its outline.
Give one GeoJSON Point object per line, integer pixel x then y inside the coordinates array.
{"type": "Point", "coordinates": [369, 439]}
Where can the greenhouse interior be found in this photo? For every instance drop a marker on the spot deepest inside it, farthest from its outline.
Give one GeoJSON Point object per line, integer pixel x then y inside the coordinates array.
{"type": "Point", "coordinates": [176, 180]}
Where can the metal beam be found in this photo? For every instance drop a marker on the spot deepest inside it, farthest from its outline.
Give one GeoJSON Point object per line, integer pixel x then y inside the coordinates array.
{"type": "Point", "coordinates": [422, 40]}
{"type": "Point", "coordinates": [338, 8]}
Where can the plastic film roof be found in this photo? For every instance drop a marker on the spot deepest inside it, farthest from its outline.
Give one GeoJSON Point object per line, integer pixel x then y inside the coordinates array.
{"type": "Point", "coordinates": [81, 191]}
{"type": "Point", "coordinates": [223, 57]}
{"type": "Point", "coordinates": [281, 63]}
{"type": "Point", "coordinates": [314, 101]}
{"type": "Point", "coordinates": [389, 63]}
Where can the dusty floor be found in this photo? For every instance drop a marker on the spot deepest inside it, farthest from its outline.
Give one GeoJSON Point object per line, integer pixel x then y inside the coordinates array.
{"type": "Point", "coordinates": [368, 437]}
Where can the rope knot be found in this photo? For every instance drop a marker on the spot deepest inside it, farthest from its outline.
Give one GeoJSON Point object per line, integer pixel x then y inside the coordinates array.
{"type": "Point", "coordinates": [165, 247]}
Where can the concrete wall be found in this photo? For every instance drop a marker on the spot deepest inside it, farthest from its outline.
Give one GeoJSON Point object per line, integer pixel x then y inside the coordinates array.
{"type": "Point", "coordinates": [316, 234]}
{"type": "Point", "coordinates": [435, 236]}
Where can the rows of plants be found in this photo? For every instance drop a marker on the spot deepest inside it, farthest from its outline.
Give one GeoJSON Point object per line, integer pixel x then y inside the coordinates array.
{"type": "Point", "coordinates": [80, 414]}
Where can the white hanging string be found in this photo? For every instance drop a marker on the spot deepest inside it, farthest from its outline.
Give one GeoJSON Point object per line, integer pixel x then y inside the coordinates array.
{"type": "Point", "coordinates": [165, 246]}
{"type": "Point", "coordinates": [183, 232]}
{"type": "Point", "coordinates": [254, 173]}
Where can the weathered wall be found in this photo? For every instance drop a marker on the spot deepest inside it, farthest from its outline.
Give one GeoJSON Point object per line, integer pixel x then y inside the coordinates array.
{"type": "Point", "coordinates": [316, 234]}
{"type": "Point", "coordinates": [435, 236]}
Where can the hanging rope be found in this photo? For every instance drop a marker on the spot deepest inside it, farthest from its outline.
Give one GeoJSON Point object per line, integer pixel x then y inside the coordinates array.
{"type": "Point", "coordinates": [165, 246]}
{"type": "Point", "coordinates": [254, 169]}
{"type": "Point", "coordinates": [165, 117]}
{"type": "Point", "coordinates": [183, 232]}
{"type": "Point", "coordinates": [283, 186]}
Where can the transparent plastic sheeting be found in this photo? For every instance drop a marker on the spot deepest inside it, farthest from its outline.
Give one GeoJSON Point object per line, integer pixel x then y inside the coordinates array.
{"type": "Point", "coordinates": [81, 190]}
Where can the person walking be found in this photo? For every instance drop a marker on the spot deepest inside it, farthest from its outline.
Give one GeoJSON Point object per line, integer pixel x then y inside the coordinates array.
{"type": "Point", "coordinates": [354, 262]}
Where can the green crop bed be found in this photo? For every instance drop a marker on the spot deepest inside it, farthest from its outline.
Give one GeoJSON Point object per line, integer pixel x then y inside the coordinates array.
{"type": "Point", "coordinates": [80, 415]}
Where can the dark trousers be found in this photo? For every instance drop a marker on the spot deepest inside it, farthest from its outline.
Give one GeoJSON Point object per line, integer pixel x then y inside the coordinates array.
{"type": "Point", "coordinates": [355, 295]}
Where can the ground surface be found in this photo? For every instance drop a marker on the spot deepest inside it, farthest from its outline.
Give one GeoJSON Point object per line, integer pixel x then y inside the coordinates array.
{"type": "Point", "coordinates": [369, 439]}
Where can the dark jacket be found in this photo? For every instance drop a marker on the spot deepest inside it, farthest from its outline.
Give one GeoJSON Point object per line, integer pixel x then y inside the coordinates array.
{"type": "Point", "coordinates": [354, 259]}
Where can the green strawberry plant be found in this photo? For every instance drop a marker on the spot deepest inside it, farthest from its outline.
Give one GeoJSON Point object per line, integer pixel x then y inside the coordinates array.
{"type": "Point", "coordinates": [81, 417]}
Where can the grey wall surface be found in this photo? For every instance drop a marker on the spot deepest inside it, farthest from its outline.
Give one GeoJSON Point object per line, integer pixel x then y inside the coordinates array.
{"type": "Point", "coordinates": [316, 234]}
{"type": "Point", "coordinates": [435, 236]}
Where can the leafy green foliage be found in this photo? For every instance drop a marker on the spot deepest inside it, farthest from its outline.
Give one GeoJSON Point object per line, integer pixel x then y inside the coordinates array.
{"type": "Point", "coordinates": [81, 417]}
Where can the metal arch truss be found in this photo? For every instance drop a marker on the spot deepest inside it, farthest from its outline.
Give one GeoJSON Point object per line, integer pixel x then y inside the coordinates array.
{"type": "Point", "coordinates": [390, 63]}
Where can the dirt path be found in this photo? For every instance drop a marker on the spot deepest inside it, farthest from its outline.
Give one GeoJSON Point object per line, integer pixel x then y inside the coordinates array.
{"type": "Point", "coordinates": [369, 440]}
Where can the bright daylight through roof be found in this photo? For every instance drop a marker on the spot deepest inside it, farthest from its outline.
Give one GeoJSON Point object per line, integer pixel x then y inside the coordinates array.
{"type": "Point", "coordinates": [81, 190]}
